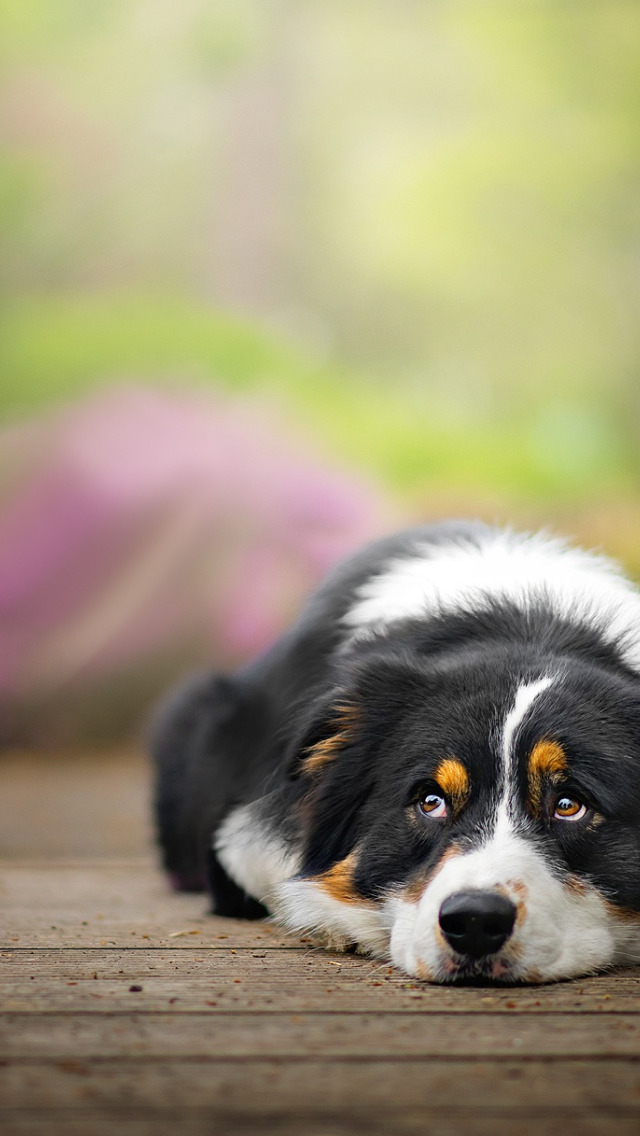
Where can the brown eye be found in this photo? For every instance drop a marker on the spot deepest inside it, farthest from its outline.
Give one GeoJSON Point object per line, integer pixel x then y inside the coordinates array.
{"type": "Point", "coordinates": [433, 806]}
{"type": "Point", "coordinates": [569, 809]}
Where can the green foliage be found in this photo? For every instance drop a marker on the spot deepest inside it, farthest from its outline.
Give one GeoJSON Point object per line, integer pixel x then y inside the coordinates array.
{"type": "Point", "coordinates": [440, 199]}
{"type": "Point", "coordinates": [43, 27]}
{"type": "Point", "coordinates": [52, 350]}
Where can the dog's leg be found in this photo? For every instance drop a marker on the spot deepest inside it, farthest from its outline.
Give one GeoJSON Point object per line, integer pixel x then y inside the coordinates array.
{"type": "Point", "coordinates": [183, 746]}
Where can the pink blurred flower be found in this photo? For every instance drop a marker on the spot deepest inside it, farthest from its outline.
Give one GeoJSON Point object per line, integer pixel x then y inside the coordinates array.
{"type": "Point", "coordinates": [143, 527]}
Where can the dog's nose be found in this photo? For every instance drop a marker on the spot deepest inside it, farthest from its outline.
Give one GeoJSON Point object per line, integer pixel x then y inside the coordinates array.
{"type": "Point", "coordinates": [477, 923]}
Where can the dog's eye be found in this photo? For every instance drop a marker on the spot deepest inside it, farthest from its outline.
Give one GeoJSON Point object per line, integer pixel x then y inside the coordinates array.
{"type": "Point", "coordinates": [433, 806]}
{"type": "Point", "coordinates": [569, 809]}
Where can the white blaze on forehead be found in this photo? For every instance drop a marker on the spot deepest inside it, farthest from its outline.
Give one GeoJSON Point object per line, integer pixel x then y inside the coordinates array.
{"type": "Point", "coordinates": [505, 815]}
{"type": "Point", "coordinates": [524, 700]}
{"type": "Point", "coordinates": [461, 575]}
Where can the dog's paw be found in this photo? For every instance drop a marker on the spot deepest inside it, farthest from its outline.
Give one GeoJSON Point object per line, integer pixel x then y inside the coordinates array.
{"type": "Point", "coordinates": [333, 941]}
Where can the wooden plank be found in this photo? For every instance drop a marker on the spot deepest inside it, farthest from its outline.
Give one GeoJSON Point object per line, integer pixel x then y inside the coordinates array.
{"type": "Point", "coordinates": [259, 961]}
{"type": "Point", "coordinates": [113, 904]}
{"type": "Point", "coordinates": [259, 979]}
{"type": "Point", "coordinates": [174, 933]}
{"type": "Point", "coordinates": [391, 1035]}
{"type": "Point", "coordinates": [303, 1085]}
{"type": "Point", "coordinates": [197, 995]}
{"type": "Point", "coordinates": [201, 961]}
{"type": "Point", "coordinates": [552, 1120]}
{"type": "Point", "coordinates": [295, 994]}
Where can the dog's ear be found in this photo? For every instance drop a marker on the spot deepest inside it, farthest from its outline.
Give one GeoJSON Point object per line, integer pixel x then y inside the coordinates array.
{"type": "Point", "coordinates": [327, 729]}
{"type": "Point", "coordinates": [372, 698]}
{"type": "Point", "coordinates": [326, 759]}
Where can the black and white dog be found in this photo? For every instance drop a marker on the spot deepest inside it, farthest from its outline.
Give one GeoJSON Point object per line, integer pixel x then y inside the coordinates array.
{"type": "Point", "coordinates": [438, 765]}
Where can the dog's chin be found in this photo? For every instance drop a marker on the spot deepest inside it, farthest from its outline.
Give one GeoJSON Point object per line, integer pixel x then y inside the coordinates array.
{"type": "Point", "coordinates": [488, 971]}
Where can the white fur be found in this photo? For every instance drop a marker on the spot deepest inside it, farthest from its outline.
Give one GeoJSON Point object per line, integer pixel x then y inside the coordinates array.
{"type": "Point", "coordinates": [304, 905]}
{"type": "Point", "coordinates": [497, 564]}
{"type": "Point", "coordinates": [261, 864]}
{"type": "Point", "coordinates": [252, 855]}
{"type": "Point", "coordinates": [506, 811]}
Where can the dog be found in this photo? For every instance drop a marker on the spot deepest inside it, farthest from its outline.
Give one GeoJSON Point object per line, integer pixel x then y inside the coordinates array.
{"type": "Point", "coordinates": [437, 765]}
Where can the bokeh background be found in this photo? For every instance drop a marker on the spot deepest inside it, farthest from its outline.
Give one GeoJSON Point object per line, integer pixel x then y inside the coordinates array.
{"type": "Point", "coordinates": [276, 276]}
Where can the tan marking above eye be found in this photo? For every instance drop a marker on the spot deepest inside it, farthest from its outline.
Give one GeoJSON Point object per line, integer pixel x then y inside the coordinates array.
{"type": "Point", "coordinates": [547, 762]}
{"type": "Point", "coordinates": [547, 758]}
{"type": "Point", "coordinates": [453, 779]}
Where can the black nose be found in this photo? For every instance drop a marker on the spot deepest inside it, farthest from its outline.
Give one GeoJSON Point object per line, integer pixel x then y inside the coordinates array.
{"type": "Point", "coordinates": [477, 923]}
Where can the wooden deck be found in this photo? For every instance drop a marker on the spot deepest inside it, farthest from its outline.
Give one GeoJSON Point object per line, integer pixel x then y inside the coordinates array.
{"type": "Point", "coordinates": [128, 1009]}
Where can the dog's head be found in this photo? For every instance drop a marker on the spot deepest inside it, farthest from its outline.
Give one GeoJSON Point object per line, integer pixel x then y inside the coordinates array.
{"type": "Point", "coordinates": [479, 811]}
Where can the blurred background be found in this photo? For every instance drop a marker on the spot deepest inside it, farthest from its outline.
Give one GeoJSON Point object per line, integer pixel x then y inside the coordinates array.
{"type": "Point", "coordinates": [275, 277]}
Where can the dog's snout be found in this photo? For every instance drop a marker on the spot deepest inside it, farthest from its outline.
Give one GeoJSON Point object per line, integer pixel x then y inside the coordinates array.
{"type": "Point", "coordinates": [477, 923]}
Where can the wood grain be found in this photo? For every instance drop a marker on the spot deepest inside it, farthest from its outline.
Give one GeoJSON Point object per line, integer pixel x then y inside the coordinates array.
{"type": "Point", "coordinates": [308, 1085]}
{"type": "Point", "coordinates": [335, 1035]}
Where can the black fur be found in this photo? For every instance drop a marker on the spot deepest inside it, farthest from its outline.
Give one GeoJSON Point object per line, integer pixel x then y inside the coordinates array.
{"type": "Point", "coordinates": [423, 688]}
